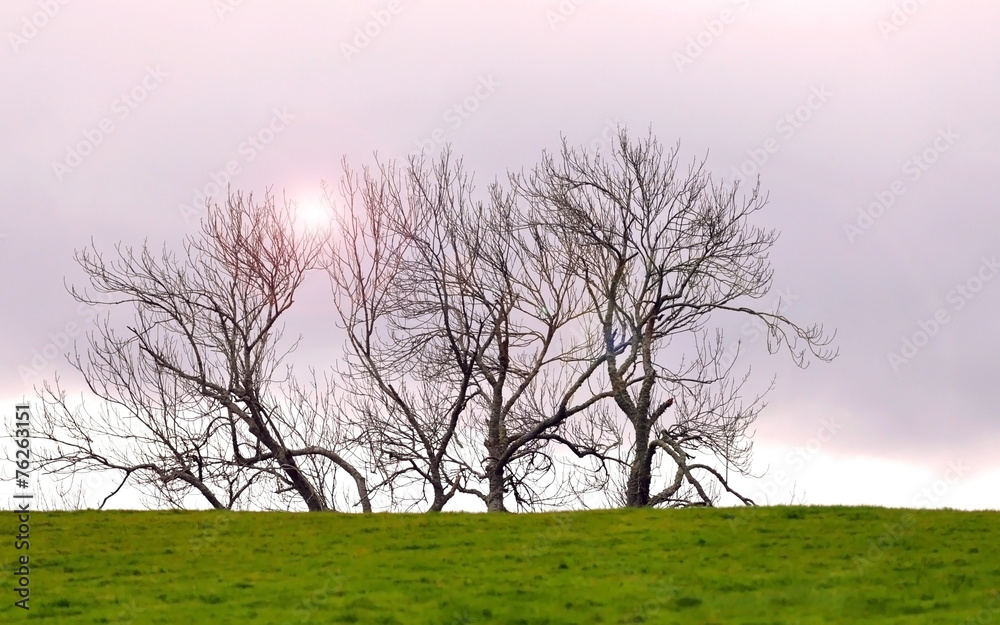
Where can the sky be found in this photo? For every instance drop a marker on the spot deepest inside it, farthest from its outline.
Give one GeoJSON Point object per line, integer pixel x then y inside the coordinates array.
{"type": "Point", "coordinates": [871, 124]}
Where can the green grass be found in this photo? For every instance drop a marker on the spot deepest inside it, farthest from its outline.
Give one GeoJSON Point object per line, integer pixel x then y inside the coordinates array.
{"type": "Point", "coordinates": [764, 565]}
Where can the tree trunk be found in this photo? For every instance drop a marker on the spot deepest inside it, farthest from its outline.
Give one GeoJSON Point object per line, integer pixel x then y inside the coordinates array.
{"type": "Point", "coordinates": [302, 485]}
{"type": "Point", "coordinates": [494, 499]}
{"type": "Point", "coordinates": [637, 485]}
{"type": "Point", "coordinates": [359, 480]}
{"type": "Point", "coordinates": [440, 498]}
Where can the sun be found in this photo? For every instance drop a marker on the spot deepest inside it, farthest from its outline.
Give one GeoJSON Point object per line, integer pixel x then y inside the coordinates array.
{"type": "Point", "coordinates": [313, 214]}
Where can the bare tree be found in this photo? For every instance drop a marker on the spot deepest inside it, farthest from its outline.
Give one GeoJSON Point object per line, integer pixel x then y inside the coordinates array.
{"type": "Point", "coordinates": [560, 320]}
{"type": "Point", "coordinates": [665, 250]}
{"type": "Point", "coordinates": [460, 322]}
{"type": "Point", "coordinates": [193, 394]}
{"type": "Point", "coordinates": [508, 304]}
{"type": "Point", "coordinates": [405, 396]}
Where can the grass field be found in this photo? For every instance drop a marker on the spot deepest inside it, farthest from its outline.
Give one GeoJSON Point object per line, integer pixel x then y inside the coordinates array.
{"type": "Point", "coordinates": [764, 565]}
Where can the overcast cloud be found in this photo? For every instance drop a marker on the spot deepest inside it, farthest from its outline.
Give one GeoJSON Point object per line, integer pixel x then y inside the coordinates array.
{"type": "Point", "coordinates": [872, 124]}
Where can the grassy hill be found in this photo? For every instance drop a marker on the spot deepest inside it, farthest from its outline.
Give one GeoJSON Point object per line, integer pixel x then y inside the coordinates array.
{"type": "Point", "coordinates": [764, 565]}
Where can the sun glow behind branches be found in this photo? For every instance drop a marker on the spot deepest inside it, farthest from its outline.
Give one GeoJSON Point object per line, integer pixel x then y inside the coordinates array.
{"type": "Point", "coordinates": [313, 214]}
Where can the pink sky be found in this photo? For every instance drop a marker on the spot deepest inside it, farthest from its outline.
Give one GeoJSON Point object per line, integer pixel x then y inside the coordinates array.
{"type": "Point", "coordinates": [872, 124]}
